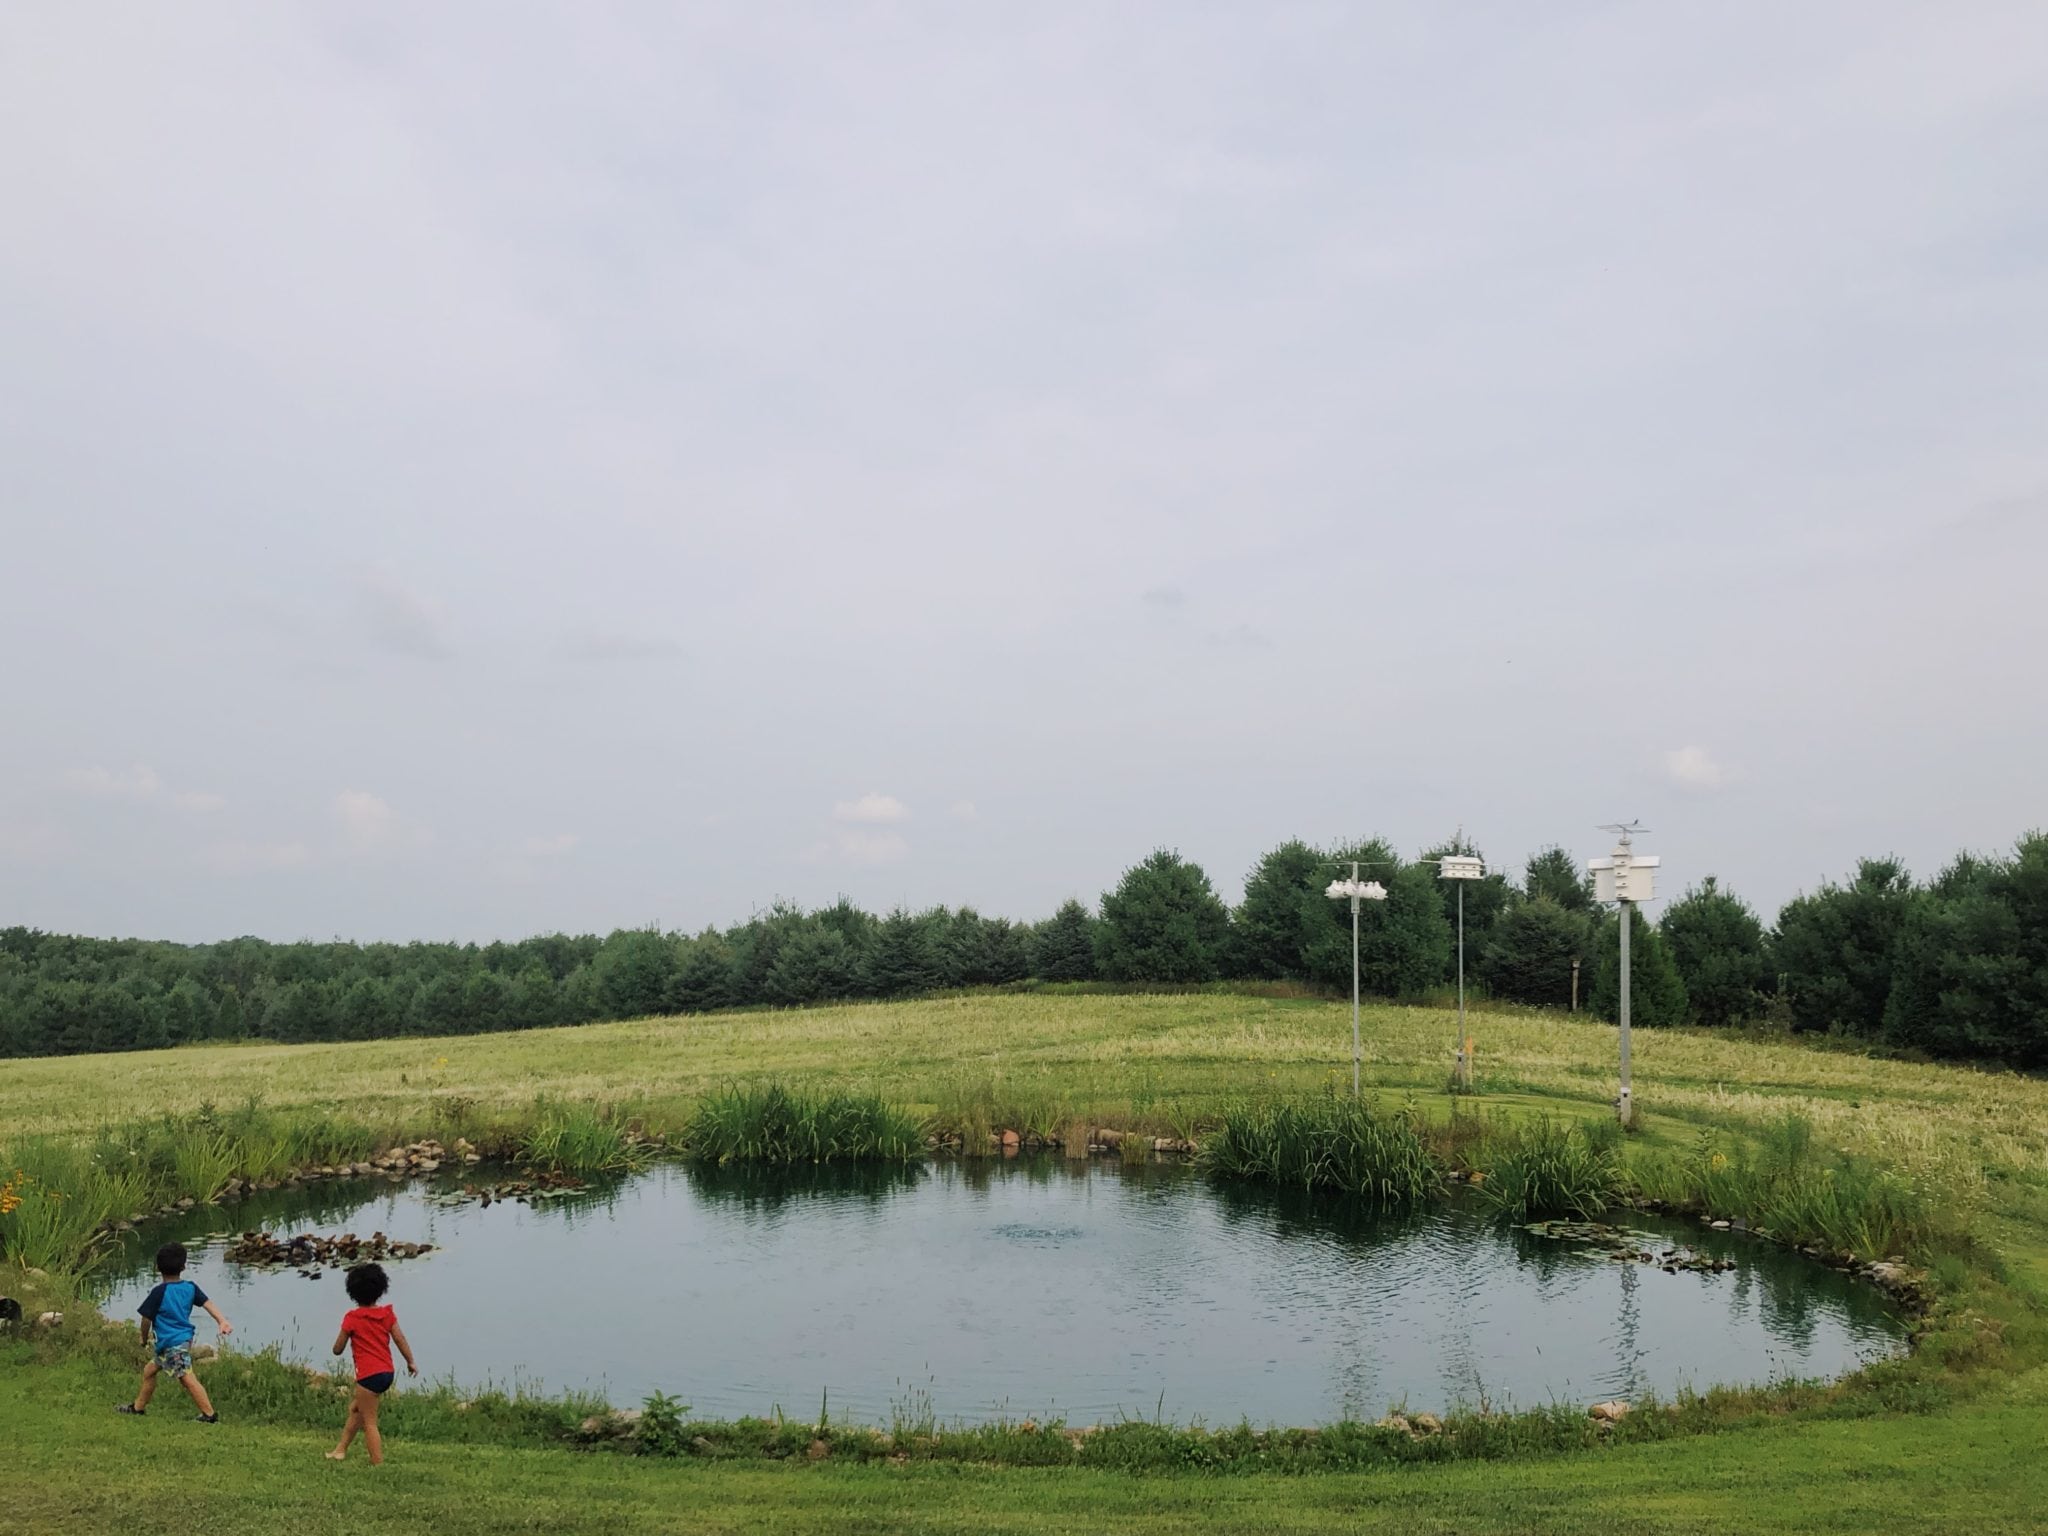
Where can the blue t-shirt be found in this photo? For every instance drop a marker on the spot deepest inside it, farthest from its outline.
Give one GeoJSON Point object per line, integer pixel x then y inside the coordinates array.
{"type": "Point", "coordinates": [169, 1310]}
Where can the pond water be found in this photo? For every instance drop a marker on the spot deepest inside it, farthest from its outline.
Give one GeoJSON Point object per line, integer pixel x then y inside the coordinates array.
{"type": "Point", "coordinates": [1042, 1287]}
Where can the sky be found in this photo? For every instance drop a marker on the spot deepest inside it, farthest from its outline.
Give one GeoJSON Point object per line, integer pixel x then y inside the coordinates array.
{"type": "Point", "coordinates": [476, 470]}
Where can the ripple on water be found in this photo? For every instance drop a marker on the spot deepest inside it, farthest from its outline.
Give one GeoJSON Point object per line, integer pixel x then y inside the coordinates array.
{"type": "Point", "coordinates": [1038, 1287]}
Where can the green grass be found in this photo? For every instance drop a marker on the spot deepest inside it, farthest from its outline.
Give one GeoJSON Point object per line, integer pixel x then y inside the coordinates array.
{"type": "Point", "coordinates": [1946, 1165]}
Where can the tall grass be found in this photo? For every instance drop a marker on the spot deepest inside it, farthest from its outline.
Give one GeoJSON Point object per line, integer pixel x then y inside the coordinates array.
{"type": "Point", "coordinates": [577, 1138]}
{"type": "Point", "coordinates": [774, 1124]}
{"type": "Point", "coordinates": [1323, 1143]}
{"type": "Point", "coordinates": [1548, 1168]}
{"type": "Point", "coordinates": [1789, 1185]}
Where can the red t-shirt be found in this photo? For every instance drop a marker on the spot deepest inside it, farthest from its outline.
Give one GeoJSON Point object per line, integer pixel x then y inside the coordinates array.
{"type": "Point", "coordinates": [369, 1335]}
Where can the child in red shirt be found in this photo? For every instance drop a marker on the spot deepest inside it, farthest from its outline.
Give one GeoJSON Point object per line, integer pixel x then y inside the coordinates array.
{"type": "Point", "coordinates": [372, 1329]}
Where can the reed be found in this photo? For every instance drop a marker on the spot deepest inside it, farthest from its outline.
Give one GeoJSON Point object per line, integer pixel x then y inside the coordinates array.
{"type": "Point", "coordinates": [770, 1123]}
{"type": "Point", "coordinates": [1549, 1168]}
{"type": "Point", "coordinates": [1323, 1143]}
{"type": "Point", "coordinates": [580, 1138]}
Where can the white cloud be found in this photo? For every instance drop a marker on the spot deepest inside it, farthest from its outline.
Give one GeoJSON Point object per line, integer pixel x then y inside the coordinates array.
{"type": "Point", "coordinates": [137, 783]}
{"type": "Point", "coordinates": [367, 823]}
{"type": "Point", "coordinates": [871, 808]}
{"type": "Point", "coordinates": [1692, 768]}
{"type": "Point", "coordinates": [962, 810]}
{"type": "Point", "coordinates": [550, 847]}
{"type": "Point", "coordinates": [239, 857]}
{"type": "Point", "coordinates": [198, 800]}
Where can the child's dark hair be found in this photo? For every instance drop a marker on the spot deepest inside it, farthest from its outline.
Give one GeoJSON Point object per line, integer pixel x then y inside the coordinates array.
{"type": "Point", "coordinates": [170, 1259]}
{"type": "Point", "coordinates": [366, 1284]}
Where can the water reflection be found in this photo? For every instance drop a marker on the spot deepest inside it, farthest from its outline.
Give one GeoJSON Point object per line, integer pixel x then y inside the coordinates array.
{"type": "Point", "coordinates": [1039, 1286]}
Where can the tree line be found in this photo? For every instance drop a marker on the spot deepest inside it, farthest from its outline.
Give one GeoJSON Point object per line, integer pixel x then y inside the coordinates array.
{"type": "Point", "coordinates": [1955, 967]}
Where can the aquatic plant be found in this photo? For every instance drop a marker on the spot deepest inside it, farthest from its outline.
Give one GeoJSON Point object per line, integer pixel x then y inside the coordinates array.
{"type": "Point", "coordinates": [1550, 1168]}
{"type": "Point", "coordinates": [1323, 1143]}
{"type": "Point", "coordinates": [579, 1138]}
{"type": "Point", "coordinates": [770, 1123]}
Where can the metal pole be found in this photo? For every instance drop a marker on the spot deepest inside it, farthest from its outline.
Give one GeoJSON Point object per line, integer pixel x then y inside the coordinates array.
{"type": "Point", "coordinates": [1464, 1045]}
{"type": "Point", "coordinates": [1623, 1106]}
{"type": "Point", "coordinates": [1355, 1053]}
{"type": "Point", "coordinates": [1575, 983]}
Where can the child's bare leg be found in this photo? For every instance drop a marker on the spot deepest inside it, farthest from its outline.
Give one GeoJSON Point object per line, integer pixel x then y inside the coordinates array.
{"type": "Point", "coordinates": [371, 1437]}
{"type": "Point", "coordinates": [148, 1387]}
{"type": "Point", "coordinates": [199, 1394]}
{"type": "Point", "coordinates": [349, 1426]}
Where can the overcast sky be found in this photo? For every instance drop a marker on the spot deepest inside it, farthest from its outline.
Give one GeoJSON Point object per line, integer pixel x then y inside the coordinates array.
{"type": "Point", "coordinates": [468, 470]}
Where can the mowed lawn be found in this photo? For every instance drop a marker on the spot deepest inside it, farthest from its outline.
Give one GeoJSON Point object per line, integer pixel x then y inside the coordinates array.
{"type": "Point", "coordinates": [71, 1465]}
{"type": "Point", "coordinates": [1981, 1464]}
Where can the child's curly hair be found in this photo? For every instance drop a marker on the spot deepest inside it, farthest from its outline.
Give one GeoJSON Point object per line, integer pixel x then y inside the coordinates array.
{"type": "Point", "coordinates": [367, 1284]}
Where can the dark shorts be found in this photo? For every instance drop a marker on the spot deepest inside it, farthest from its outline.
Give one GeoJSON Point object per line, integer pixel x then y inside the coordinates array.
{"type": "Point", "coordinates": [379, 1383]}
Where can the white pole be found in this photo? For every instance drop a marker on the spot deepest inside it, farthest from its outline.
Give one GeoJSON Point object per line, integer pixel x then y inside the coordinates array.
{"type": "Point", "coordinates": [1623, 1105]}
{"type": "Point", "coordinates": [1355, 1052]}
{"type": "Point", "coordinates": [1464, 1058]}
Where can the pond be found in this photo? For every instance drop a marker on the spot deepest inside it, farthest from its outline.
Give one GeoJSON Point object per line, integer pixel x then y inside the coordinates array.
{"type": "Point", "coordinates": [1040, 1287]}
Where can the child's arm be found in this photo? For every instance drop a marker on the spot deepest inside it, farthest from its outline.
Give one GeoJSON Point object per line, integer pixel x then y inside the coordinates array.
{"type": "Point", "coordinates": [219, 1321]}
{"type": "Point", "coordinates": [146, 1324]}
{"type": "Point", "coordinates": [412, 1366]}
{"type": "Point", "coordinates": [341, 1339]}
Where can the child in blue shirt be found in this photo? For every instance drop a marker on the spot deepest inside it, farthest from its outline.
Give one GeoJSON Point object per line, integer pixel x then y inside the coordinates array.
{"type": "Point", "coordinates": [167, 1312]}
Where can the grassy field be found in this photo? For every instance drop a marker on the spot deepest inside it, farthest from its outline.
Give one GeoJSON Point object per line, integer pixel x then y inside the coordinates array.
{"type": "Point", "coordinates": [1973, 1145]}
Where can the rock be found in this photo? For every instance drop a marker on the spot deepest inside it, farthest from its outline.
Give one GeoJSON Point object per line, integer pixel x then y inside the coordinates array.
{"type": "Point", "coordinates": [700, 1445]}
{"type": "Point", "coordinates": [1719, 1226]}
{"type": "Point", "coordinates": [1011, 1139]}
{"type": "Point", "coordinates": [50, 1319]}
{"type": "Point", "coordinates": [1110, 1139]}
{"type": "Point", "coordinates": [187, 1203]}
{"type": "Point", "coordinates": [1609, 1413]}
{"type": "Point", "coordinates": [1165, 1144]}
{"type": "Point", "coordinates": [205, 1352]}
{"type": "Point", "coordinates": [1427, 1424]}
{"type": "Point", "coordinates": [593, 1426]}
{"type": "Point", "coordinates": [818, 1450]}
{"type": "Point", "coordinates": [428, 1164]}
{"type": "Point", "coordinates": [1397, 1421]}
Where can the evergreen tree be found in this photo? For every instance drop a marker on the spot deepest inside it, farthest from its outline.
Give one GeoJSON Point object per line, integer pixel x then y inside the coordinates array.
{"type": "Point", "coordinates": [703, 978]}
{"type": "Point", "coordinates": [1486, 900]}
{"type": "Point", "coordinates": [1529, 957]}
{"type": "Point", "coordinates": [1063, 946]}
{"type": "Point", "coordinates": [1557, 875]}
{"type": "Point", "coordinates": [905, 960]}
{"type": "Point", "coordinates": [1972, 962]}
{"type": "Point", "coordinates": [1835, 949]}
{"type": "Point", "coordinates": [1284, 914]}
{"type": "Point", "coordinates": [1656, 990]}
{"type": "Point", "coordinates": [1163, 923]}
{"type": "Point", "coordinates": [1717, 943]}
{"type": "Point", "coordinates": [1404, 944]}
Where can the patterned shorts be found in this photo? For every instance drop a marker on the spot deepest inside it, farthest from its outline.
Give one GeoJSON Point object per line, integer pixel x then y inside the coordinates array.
{"type": "Point", "coordinates": [175, 1362]}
